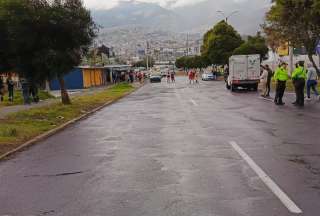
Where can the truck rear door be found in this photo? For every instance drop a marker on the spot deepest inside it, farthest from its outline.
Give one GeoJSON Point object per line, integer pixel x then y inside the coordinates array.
{"type": "Point", "coordinates": [253, 67]}
{"type": "Point", "coordinates": [238, 67]}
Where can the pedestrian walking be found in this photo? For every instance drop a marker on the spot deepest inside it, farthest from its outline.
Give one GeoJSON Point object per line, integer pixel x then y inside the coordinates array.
{"type": "Point", "coordinates": [10, 85]}
{"type": "Point", "coordinates": [1, 89]}
{"type": "Point", "coordinates": [299, 76]}
{"type": "Point", "coordinates": [263, 82]}
{"type": "Point", "coordinates": [280, 76]}
{"type": "Point", "coordinates": [312, 82]}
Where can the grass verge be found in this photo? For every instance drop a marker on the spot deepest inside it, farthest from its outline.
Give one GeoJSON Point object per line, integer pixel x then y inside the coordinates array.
{"type": "Point", "coordinates": [22, 126]}
{"type": "Point", "coordinates": [18, 99]}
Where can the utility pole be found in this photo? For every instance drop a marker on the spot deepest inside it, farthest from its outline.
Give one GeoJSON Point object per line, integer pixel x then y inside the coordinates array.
{"type": "Point", "coordinates": [147, 52]}
{"type": "Point", "coordinates": [187, 44]}
{"type": "Point", "coordinates": [291, 59]}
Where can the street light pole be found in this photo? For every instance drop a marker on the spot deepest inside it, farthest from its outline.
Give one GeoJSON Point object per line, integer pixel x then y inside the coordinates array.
{"type": "Point", "coordinates": [227, 17]}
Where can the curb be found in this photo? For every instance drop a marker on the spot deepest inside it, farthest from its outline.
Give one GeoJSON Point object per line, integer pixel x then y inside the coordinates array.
{"type": "Point", "coordinates": [61, 127]}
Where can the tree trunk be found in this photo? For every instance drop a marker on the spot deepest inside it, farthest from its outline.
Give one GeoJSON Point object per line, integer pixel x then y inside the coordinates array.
{"type": "Point", "coordinates": [64, 94]}
{"type": "Point", "coordinates": [314, 63]}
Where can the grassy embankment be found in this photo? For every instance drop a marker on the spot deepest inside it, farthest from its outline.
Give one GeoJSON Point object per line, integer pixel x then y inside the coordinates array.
{"type": "Point", "coordinates": [22, 126]}
{"type": "Point", "coordinates": [18, 99]}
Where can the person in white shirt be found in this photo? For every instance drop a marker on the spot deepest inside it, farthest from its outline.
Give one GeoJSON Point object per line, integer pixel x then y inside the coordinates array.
{"type": "Point", "coordinates": [263, 82]}
{"type": "Point", "coordinates": [312, 82]}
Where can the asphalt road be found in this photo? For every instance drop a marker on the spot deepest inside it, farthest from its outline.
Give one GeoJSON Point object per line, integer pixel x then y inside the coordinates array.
{"type": "Point", "coordinates": [173, 150]}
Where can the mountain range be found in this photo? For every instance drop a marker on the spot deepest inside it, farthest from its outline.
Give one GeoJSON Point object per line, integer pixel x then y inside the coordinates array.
{"type": "Point", "coordinates": [196, 18]}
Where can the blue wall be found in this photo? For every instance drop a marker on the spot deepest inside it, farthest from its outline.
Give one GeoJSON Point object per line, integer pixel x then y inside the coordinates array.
{"type": "Point", "coordinates": [73, 80]}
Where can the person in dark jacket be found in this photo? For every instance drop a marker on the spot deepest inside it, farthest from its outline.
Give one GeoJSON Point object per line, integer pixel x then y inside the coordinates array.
{"type": "Point", "coordinates": [1, 89]}
{"type": "Point", "coordinates": [10, 85]}
{"type": "Point", "coordinates": [25, 90]}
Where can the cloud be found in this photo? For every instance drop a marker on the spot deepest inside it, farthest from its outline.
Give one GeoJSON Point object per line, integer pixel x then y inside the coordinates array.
{"type": "Point", "coordinates": [107, 4]}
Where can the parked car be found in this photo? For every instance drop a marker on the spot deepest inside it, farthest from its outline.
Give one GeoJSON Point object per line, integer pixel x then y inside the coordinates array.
{"type": "Point", "coordinates": [155, 77]}
{"type": "Point", "coordinates": [207, 76]}
{"type": "Point", "coordinates": [244, 72]}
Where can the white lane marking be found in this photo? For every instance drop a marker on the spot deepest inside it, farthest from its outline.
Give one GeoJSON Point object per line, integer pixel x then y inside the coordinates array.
{"type": "Point", "coordinates": [291, 206]}
{"type": "Point", "coordinates": [193, 102]}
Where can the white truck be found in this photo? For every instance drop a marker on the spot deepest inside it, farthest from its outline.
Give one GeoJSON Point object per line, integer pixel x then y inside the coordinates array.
{"type": "Point", "coordinates": [244, 72]}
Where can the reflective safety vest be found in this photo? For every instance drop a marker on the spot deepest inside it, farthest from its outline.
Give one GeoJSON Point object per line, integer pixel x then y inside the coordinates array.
{"type": "Point", "coordinates": [281, 74]}
{"type": "Point", "coordinates": [299, 73]}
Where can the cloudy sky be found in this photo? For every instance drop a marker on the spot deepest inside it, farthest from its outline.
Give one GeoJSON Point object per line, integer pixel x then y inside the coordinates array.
{"type": "Point", "coordinates": [103, 4]}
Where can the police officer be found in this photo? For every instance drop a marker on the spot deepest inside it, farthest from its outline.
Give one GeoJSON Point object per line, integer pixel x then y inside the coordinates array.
{"type": "Point", "coordinates": [299, 76]}
{"type": "Point", "coordinates": [281, 77]}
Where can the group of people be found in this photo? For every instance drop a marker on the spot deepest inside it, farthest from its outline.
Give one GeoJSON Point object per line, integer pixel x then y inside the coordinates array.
{"type": "Point", "coordinates": [193, 75]}
{"type": "Point", "coordinates": [29, 90]}
{"type": "Point", "coordinates": [301, 77]}
{"type": "Point", "coordinates": [10, 88]}
{"type": "Point", "coordinates": [171, 77]}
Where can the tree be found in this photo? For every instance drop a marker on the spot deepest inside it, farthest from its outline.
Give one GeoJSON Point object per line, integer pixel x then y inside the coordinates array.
{"type": "Point", "coordinates": [254, 45]}
{"type": "Point", "coordinates": [296, 21]}
{"type": "Point", "coordinates": [220, 42]}
{"type": "Point", "coordinates": [71, 31]}
{"type": "Point", "coordinates": [45, 39]}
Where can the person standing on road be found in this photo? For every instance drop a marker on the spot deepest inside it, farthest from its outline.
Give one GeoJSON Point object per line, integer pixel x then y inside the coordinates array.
{"type": "Point", "coordinates": [173, 79]}
{"type": "Point", "coordinates": [1, 89]}
{"type": "Point", "coordinates": [10, 85]}
{"type": "Point", "coordinates": [280, 76]}
{"type": "Point", "coordinates": [299, 81]}
{"type": "Point", "coordinates": [312, 82]}
{"type": "Point", "coordinates": [270, 75]}
{"type": "Point", "coordinates": [168, 77]}
{"type": "Point", "coordinates": [196, 76]}
{"type": "Point", "coordinates": [263, 82]}
{"type": "Point", "coordinates": [191, 76]}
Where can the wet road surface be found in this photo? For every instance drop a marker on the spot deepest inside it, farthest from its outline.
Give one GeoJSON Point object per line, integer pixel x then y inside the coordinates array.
{"type": "Point", "coordinates": [171, 149]}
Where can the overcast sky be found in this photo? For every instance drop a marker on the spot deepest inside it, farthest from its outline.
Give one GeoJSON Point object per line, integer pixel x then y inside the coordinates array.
{"type": "Point", "coordinates": [103, 4]}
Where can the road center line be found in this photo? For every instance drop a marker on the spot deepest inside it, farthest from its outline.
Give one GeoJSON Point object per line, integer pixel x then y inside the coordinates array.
{"type": "Point", "coordinates": [291, 206]}
{"type": "Point", "coordinates": [193, 102]}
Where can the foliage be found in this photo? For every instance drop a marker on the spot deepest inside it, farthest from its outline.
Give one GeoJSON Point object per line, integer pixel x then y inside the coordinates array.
{"type": "Point", "coordinates": [45, 39]}
{"type": "Point", "coordinates": [188, 62]}
{"type": "Point", "coordinates": [296, 21]}
{"type": "Point", "coordinates": [220, 42]}
{"type": "Point", "coordinates": [254, 45]}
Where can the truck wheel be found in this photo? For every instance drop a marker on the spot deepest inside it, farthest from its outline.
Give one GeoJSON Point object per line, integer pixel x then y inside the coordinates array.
{"type": "Point", "coordinates": [233, 88]}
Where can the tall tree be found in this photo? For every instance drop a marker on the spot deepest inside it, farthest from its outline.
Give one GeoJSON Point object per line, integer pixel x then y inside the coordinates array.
{"type": "Point", "coordinates": [71, 31]}
{"type": "Point", "coordinates": [296, 21]}
{"type": "Point", "coordinates": [44, 39]}
{"type": "Point", "coordinates": [220, 42]}
{"type": "Point", "coordinates": [254, 45]}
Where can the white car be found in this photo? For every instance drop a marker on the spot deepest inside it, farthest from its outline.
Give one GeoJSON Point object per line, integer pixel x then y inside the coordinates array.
{"type": "Point", "coordinates": [207, 76]}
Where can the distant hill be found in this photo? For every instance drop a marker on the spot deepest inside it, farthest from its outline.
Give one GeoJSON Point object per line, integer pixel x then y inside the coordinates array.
{"type": "Point", "coordinates": [196, 18]}
{"type": "Point", "coordinates": [137, 14]}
